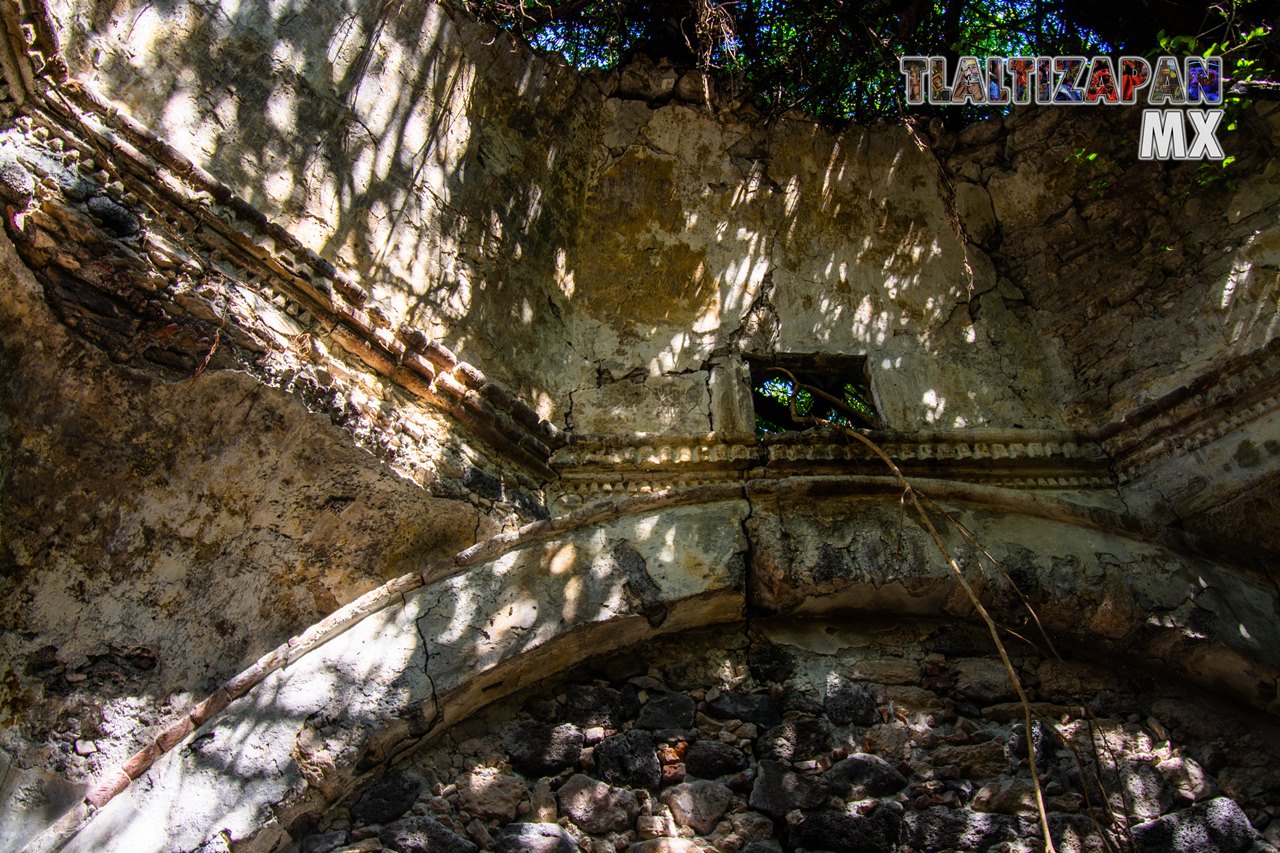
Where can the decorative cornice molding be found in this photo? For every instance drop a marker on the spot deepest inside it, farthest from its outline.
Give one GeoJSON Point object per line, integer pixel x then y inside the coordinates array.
{"type": "Point", "coordinates": [592, 466]}
{"type": "Point", "coordinates": [201, 224]}
{"type": "Point", "coordinates": [195, 225]}
{"type": "Point", "coordinates": [1215, 404]}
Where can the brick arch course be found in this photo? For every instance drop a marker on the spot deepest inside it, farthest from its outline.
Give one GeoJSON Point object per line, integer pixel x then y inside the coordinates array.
{"type": "Point", "coordinates": [405, 662]}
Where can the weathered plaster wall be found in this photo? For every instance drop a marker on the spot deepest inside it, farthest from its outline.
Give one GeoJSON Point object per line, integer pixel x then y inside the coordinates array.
{"type": "Point", "coordinates": [1159, 281]}
{"type": "Point", "coordinates": [624, 246]}
{"type": "Point", "coordinates": [441, 170]}
{"type": "Point", "coordinates": [1097, 592]}
{"type": "Point", "coordinates": [443, 651]}
{"type": "Point", "coordinates": [628, 242]}
{"type": "Point", "coordinates": [740, 241]}
{"type": "Point", "coordinates": [1150, 273]}
{"type": "Point", "coordinates": [1098, 403]}
{"type": "Point", "coordinates": [158, 536]}
{"type": "Point", "coordinates": [259, 774]}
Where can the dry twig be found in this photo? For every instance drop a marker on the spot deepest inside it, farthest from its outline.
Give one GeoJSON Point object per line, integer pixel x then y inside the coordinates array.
{"type": "Point", "coordinates": [910, 493]}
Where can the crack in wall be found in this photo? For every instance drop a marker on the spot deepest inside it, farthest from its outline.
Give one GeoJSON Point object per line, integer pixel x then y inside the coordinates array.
{"type": "Point", "coordinates": [437, 706]}
{"type": "Point", "coordinates": [761, 304]}
{"type": "Point", "coordinates": [711, 423]}
{"type": "Point", "coordinates": [568, 413]}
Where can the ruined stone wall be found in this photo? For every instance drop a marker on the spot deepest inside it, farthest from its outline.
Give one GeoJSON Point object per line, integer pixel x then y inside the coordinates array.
{"type": "Point", "coordinates": [159, 535]}
{"type": "Point", "coordinates": [259, 764]}
{"type": "Point", "coordinates": [609, 247]}
{"type": "Point", "coordinates": [361, 368]}
{"type": "Point", "coordinates": [187, 475]}
{"type": "Point", "coordinates": [845, 736]}
{"type": "Point", "coordinates": [1159, 283]}
{"type": "Point", "coordinates": [442, 170]}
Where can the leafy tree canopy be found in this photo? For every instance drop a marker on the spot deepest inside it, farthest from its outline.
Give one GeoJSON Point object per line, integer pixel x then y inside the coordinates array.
{"type": "Point", "coordinates": [838, 59]}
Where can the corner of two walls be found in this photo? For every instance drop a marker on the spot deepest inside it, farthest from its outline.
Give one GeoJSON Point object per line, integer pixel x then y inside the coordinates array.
{"type": "Point", "coordinates": [1156, 287]}
{"type": "Point", "coordinates": [608, 258]}
{"type": "Point", "coordinates": [611, 258]}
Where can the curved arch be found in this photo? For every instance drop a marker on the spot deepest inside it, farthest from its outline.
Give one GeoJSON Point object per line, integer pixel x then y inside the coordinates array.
{"type": "Point", "coordinates": [402, 663]}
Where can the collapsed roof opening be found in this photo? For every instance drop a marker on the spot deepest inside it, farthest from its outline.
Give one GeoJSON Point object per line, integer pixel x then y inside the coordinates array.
{"type": "Point", "coordinates": [831, 388]}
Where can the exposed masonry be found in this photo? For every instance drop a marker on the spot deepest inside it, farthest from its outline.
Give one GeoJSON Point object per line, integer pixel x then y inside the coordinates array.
{"type": "Point", "coordinates": [386, 743]}
{"type": "Point", "coordinates": [1193, 243]}
{"type": "Point", "coordinates": [162, 266]}
{"type": "Point", "coordinates": [595, 515]}
{"type": "Point", "coordinates": [207, 229]}
{"type": "Point", "coordinates": [432, 372]}
{"type": "Point", "coordinates": [345, 618]}
{"type": "Point", "coordinates": [408, 358]}
{"type": "Point", "coordinates": [193, 239]}
{"type": "Point", "coordinates": [208, 312]}
{"type": "Point", "coordinates": [1180, 422]}
{"type": "Point", "coordinates": [822, 736]}
{"type": "Point", "coordinates": [322, 305]}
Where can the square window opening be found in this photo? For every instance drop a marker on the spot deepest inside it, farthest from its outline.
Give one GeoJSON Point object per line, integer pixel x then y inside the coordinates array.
{"type": "Point", "coordinates": [833, 388]}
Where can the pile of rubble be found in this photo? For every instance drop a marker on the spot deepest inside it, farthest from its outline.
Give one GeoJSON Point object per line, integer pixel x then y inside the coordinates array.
{"type": "Point", "coordinates": [747, 746]}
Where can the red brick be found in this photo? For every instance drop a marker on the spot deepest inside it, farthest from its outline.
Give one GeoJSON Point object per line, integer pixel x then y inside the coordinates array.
{"type": "Point", "coordinates": [140, 762]}
{"type": "Point", "coordinates": [113, 783]}
{"type": "Point", "coordinates": [174, 734]}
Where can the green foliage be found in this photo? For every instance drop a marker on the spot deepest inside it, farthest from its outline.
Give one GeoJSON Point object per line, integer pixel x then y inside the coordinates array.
{"type": "Point", "coordinates": [856, 399]}
{"type": "Point", "coordinates": [1209, 173]}
{"type": "Point", "coordinates": [1081, 156]}
{"type": "Point", "coordinates": [1099, 170]}
{"type": "Point", "coordinates": [779, 389]}
{"type": "Point", "coordinates": [838, 59]}
{"type": "Point", "coordinates": [1232, 31]}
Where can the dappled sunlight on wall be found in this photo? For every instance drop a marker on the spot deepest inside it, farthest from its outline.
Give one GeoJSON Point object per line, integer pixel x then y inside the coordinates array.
{"type": "Point", "coordinates": [399, 142]}
{"type": "Point", "coordinates": [438, 653]}
{"type": "Point", "coordinates": [502, 205]}
{"type": "Point", "coordinates": [588, 249]}
{"type": "Point", "coordinates": [801, 241]}
{"type": "Point", "coordinates": [1250, 293]}
{"type": "Point", "coordinates": [622, 264]}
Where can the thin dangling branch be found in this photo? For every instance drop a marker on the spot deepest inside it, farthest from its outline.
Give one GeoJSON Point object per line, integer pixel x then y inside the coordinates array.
{"type": "Point", "coordinates": [910, 493]}
{"type": "Point", "coordinates": [968, 537]}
